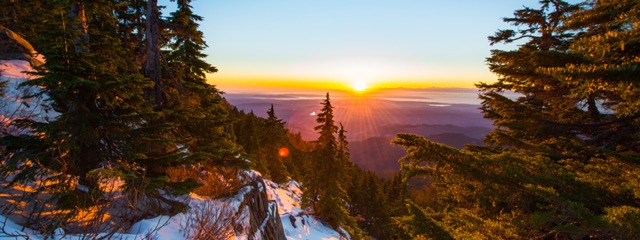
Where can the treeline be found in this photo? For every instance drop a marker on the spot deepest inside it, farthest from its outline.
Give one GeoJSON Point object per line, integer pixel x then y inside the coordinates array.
{"type": "Point", "coordinates": [564, 159]}
{"type": "Point", "coordinates": [273, 150]}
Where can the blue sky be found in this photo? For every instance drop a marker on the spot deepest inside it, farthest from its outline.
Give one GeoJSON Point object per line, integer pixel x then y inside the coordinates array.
{"type": "Point", "coordinates": [399, 43]}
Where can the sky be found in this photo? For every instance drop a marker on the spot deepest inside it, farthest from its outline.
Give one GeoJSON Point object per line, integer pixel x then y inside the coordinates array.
{"type": "Point", "coordinates": [335, 44]}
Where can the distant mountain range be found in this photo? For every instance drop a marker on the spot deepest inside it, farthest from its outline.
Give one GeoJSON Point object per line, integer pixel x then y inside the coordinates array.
{"type": "Point", "coordinates": [379, 155]}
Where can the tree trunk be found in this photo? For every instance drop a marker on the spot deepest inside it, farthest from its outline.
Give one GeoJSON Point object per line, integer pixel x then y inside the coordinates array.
{"type": "Point", "coordinates": [140, 32]}
{"type": "Point", "coordinates": [593, 108]}
{"type": "Point", "coordinates": [153, 68]}
{"type": "Point", "coordinates": [86, 154]}
{"type": "Point", "coordinates": [77, 12]}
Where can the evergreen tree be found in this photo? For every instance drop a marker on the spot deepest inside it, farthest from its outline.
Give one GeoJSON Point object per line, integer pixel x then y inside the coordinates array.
{"type": "Point", "coordinates": [366, 200]}
{"type": "Point", "coordinates": [299, 155]}
{"type": "Point", "coordinates": [327, 128]}
{"type": "Point", "coordinates": [517, 195]}
{"type": "Point", "coordinates": [324, 185]}
{"type": "Point", "coordinates": [131, 28]}
{"type": "Point", "coordinates": [357, 194]}
{"type": "Point", "coordinates": [344, 155]}
{"type": "Point", "coordinates": [376, 215]}
{"type": "Point", "coordinates": [97, 91]}
{"type": "Point", "coordinates": [420, 226]}
{"type": "Point", "coordinates": [94, 55]}
{"type": "Point", "coordinates": [261, 140]}
{"type": "Point", "coordinates": [396, 195]}
{"type": "Point", "coordinates": [577, 90]}
{"type": "Point", "coordinates": [274, 138]}
{"type": "Point", "coordinates": [24, 17]}
{"type": "Point", "coordinates": [536, 120]}
{"type": "Point", "coordinates": [552, 146]}
{"type": "Point", "coordinates": [195, 106]}
{"type": "Point", "coordinates": [249, 133]}
{"type": "Point", "coordinates": [606, 77]}
{"type": "Point", "coordinates": [323, 156]}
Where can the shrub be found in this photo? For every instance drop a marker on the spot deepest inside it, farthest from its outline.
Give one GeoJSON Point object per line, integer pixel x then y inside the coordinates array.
{"type": "Point", "coordinates": [626, 218]}
{"type": "Point", "coordinates": [209, 221]}
{"type": "Point", "coordinates": [215, 182]}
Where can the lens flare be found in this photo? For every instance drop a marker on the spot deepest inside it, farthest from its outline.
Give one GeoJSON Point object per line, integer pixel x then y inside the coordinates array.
{"type": "Point", "coordinates": [283, 152]}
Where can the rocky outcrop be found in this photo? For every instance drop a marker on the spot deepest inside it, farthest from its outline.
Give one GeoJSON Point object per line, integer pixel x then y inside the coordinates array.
{"type": "Point", "coordinates": [264, 221]}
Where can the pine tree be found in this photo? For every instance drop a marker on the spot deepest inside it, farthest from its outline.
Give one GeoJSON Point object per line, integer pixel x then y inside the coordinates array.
{"type": "Point", "coordinates": [357, 194]}
{"type": "Point", "coordinates": [324, 155]}
{"type": "Point", "coordinates": [131, 28]}
{"type": "Point", "coordinates": [577, 90]}
{"type": "Point", "coordinates": [196, 107]}
{"type": "Point", "coordinates": [249, 133]}
{"type": "Point", "coordinates": [344, 156]}
{"type": "Point", "coordinates": [560, 150]}
{"type": "Point", "coordinates": [324, 189]}
{"type": "Point", "coordinates": [420, 226]}
{"type": "Point", "coordinates": [24, 17]}
{"type": "Point", "coordinates": [536, 120]}
{"type": "Point", "coordinates": [344, 159]}
{"type": "Point", "coordinates": [516, 195]}
{"type": "Point", "coordinates": [97, 91]}
{"type": "Point", "coordinates": [299, 155]}
{"type": "Point", "coordinates": [377, 218]}
{"type": "Point", "coordinates": [606, 78]}
{"type": "Point", "coordinates": [274, 138]}
{"type": "Point", "coordinates": [396, 195]}
{"type": "Point", "coordinates": [94, 55]}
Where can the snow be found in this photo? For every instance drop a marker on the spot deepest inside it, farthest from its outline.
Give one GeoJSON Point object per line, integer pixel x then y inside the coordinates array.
{"type": "Point", "coordinates": [287, 197]}
{"type": "Point", "coordinates": [10, 228]}
{"type": "Point", "coordinates": [297, 224]}
{"type": "Point", "coordinates": [14, 105]}
{"type": "Point", "coordinates": [162, 227]}
{"type": "Point", "coordinates": [307, 227]}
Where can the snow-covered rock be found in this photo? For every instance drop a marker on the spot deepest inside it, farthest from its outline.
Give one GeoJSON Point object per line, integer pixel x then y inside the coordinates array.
{"type": "Point", "coordinates": [14, 104]}
{"type": "Point", "coordinates": [253, 208]}
{"type": "Point", "coordinates": [296, 223]}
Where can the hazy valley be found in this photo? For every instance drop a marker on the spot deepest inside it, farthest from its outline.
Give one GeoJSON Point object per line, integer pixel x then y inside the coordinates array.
{"type": "Point", "coordinates": [448, 116]}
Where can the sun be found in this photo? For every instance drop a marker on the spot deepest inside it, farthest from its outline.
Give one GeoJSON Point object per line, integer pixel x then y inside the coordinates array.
{"type": "Point", "coordinates": [359, 86]}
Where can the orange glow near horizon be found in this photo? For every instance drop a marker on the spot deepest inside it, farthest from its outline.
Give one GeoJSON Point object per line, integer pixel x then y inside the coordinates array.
{"type": "Point", "coordinates": [355, 75]}
{"type": "Point", "coordinates": [356, 86]}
